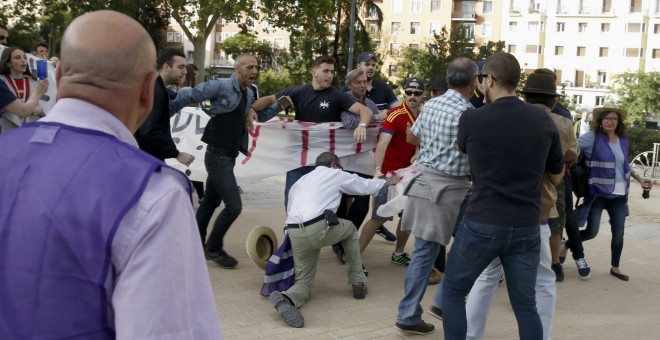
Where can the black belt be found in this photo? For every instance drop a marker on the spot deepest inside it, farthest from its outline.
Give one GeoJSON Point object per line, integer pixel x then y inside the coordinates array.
{"type": "Point", "coordinates": [306, 224]}
{"type": "Point", "coordinates": [221, 151]}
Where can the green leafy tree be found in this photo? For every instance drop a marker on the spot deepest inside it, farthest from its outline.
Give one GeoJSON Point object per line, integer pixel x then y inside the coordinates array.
{"type": "Point", "coordinates": [268, 56]}
{"type": "Point", "coordinates": [197, 19]}
{"type": "Point", "coordinates": [271, 81]}
{"type": "Point", "coordinates": [489, 49]}
{"type": "Point", "coordinates": [638, 92]}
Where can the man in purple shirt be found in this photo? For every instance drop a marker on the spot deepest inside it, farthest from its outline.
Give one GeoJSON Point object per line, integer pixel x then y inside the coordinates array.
{"type": "Point", "coordinates": [105, 243]}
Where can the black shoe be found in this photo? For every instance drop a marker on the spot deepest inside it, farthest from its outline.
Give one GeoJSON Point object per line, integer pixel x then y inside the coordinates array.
{"type": "Point", "coordinates": [221, 258]}
{"type": "Point", "coordinates": [339, 252]}
{"type": "Point", "coordinates": [559, 272]}
{"type": "Point", "coordinates": [435, 312]}
{"type": "Point", "coordinates": [386, 234]}
{"type": "Point", "coordinates": [620, 276]}
{"type": "Point", "coordinates": [359, 290]}
{"type": "Point", "coordinates": [289, 313]}
{"type": "Point", "coordinates": [421, 328]}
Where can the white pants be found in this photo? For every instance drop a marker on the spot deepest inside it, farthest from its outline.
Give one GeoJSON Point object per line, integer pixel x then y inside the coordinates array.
{"type": "Point", "coordinates": [481, 296]}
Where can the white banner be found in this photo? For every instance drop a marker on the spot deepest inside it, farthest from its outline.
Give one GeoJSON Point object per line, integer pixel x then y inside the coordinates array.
{"type": "Point", "coordinates": [48, 100]}
{"type": "Point", "coordinates": [275, 147]}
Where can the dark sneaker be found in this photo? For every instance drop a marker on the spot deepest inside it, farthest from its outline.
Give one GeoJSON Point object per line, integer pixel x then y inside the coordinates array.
{"type": "Point", "coordinates": [386, 234]}
{"type": "Point", "coordinates": [339, 252]}
{"type": "Point", "coordinates": [289, 313]}
{"type": "Point", "coordinates": [421, 328]}
{"type": "Point", "coordinates": [583, 268]}
{"type": "Point", "coordinates": [435, 312]}
{"type": "Point", "coordinates": [359, 290]}
{"type": "Point", "coordinates": [221, 258]}
{"type": "Point", "coordinates": [403, 259]}
{"type": "Point", "coordinates": [559, 272]}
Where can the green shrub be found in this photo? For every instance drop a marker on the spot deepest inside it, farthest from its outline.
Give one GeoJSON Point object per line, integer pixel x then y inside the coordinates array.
{"type": "Point", "coordinates": [641, 139]}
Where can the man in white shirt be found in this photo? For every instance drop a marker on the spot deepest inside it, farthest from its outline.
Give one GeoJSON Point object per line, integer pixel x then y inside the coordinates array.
{"type": "Point", "coordinates": [309, 198]}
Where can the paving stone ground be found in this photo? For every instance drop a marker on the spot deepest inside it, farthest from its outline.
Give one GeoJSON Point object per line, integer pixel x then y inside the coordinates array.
{"type": "Point", "coordinates": [602, 307]}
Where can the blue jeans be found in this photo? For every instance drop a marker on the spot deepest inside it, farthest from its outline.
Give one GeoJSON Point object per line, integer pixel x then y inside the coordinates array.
{"type": "Point", "coordinates": [221, 187]}
{"type": "Point", "coordinates": [617, 209]}
{"type": "Point", "coordinates": [414, 286]}
{"type": "Point", "coordinates": [475, 246]}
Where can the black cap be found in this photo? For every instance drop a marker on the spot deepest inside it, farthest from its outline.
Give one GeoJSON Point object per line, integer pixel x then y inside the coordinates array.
{"type": "Point", "coordinates": [419, 86]}
{"type": "Point", "coordinates": [440, 83]}
{"type": "Point", "coordinates": [365, 56]}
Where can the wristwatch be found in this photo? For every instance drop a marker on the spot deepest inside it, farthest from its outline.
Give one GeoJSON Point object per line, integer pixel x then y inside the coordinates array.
{"type": "Point", "coordinates": [364, 125]}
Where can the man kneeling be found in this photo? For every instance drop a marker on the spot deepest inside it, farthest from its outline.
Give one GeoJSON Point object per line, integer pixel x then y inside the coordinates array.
{"type": "Point", "coordinates": [309, 231]}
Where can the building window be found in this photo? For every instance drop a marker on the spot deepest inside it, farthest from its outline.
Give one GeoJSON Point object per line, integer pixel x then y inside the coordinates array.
{"type": "Point", "coordinates": [396, 28]}
{"type": "Point", "coordinates": [558, 74]}
{"type": "Point", "coordinates": [278, 42]}
{"type": "Point", "coordinates": [414, 46]}
{"type": "Point", "coordinates": [579, 79]}
{"type": "Point", "coordinates": [656, 28]}
{"type": "Point", "coordinates": [559, 50]}
{"type": "Point", "coordinates": [533, 26]}
{"type": "Point", "coordinates": [511, 49]}
{"type": "Point", "coordinates": [469, 31]}
{"type": "Point", "coordinates": [395, 48]}
{"type": "Point", "coordinates": [397, 6]}
{"type": "Point", "coordinates": [488, 7]}
{"type": "Point", "coordinates": [581, 51]}
{"type": "Point", "coordinates": [373, 29]}
{"type": "Point", "coordinates": [582, 27]}
{"type": "Point", "coordinates": [513, 26]}
{"type": "Point", "coordinates": [603, 51]}
{"type": "Point", "coordinates": [170, 36]}
{"type": "Point", "coordinates": [561, 26]}
{"type": "Point", "coordinates": [191, 55]}
{"type": "Point", "coordinates": [218, 37]}
{"type": "Point", "coordinates": [372, 13]}
{"type": "Point", "coordinates": [415, 6]}
{"type": "Point", "coordinates": [602, 77]}
{"type": "Point", "coordinates": [632, 52]}
{"type": "Point", "coordinates": [607, 6]}
{"type": "Point", "coordinates": [656, 53]}
{"type": "Point", "coordinates": [393, 70]}
{"type": "Point", "coordinates": [633, 27]}
{"type": "Point", "coordinates": [577, 99]}
{"type": "Point", "coordinates": [435, 6]}
{"type": "Point", "coordinates": [415, 28]}
{"type": "Point", "coordinates": [605, 27]}
{"type": "Point", "coordinates": [600, 100]}
{"type": "Point", "coordinates": [486, 29]}
{"type": "Point", "coordinates": [534, 49]}
{"type": "Point", "coordinates": [434, 27]}
{"type": "Point", "coordinates": [635, 6]}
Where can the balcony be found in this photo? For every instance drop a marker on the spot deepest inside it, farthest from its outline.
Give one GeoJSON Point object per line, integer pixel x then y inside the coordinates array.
{"type": "Point", "coordinates": [464, 16]}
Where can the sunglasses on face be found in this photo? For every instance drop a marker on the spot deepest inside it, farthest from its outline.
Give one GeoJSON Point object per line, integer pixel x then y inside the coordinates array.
{"type": "Point", "coordinates": [415, 93]}
{"type": "Point", "coordinates": [481, 76]}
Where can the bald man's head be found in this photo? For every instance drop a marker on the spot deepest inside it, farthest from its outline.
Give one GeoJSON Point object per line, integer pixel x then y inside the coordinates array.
{"type": "Point", "coordinates": [109, 60]}
{"type": "Point", "coordinates": [107, 47]}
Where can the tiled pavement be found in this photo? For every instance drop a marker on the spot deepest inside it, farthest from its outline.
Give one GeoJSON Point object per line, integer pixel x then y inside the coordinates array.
{"type": "Point", "coordinates": [600, 308]}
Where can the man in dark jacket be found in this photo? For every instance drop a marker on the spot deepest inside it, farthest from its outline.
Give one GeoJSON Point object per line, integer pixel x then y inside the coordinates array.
{"type": "Point", "coordinates": [154, 136]}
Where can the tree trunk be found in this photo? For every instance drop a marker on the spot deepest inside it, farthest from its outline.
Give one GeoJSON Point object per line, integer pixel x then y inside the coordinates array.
{"type": "Point", "coordinates": [199, 57]}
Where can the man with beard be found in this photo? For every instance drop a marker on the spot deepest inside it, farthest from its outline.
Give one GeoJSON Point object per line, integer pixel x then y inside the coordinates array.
{"type": "Point", "coordinates": [155, 136]}
{"type": "Point", "coordinates": [394, 153]}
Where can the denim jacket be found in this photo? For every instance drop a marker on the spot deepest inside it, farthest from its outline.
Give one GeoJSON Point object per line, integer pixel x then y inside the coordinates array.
{"type": "Point", "coordinates": [225, 95]}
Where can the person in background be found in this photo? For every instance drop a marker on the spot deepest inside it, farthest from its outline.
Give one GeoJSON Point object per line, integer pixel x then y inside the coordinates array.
{"type": "Point", "coordinates": [605, 148]}
{"type": "Point", "coordinates": [40, 50]}
{"type": "Point", "coordinates": [4, 35]}
{"type": "Point", "coordinates": [582, 126]}
{"type": "Point", "coordinates": [20, 82]}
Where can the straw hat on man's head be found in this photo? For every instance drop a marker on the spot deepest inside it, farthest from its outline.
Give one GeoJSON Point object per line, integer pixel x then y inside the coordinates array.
{"type": "Point", "coordinates": [260, 245]}
{"type": "Point", "coordinates": [607, 108]}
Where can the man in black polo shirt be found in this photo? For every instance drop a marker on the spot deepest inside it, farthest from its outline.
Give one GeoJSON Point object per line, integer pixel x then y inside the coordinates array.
{"type": "Point", "coordinates": [510, 145]}
{"type": "Point", "coordinates": [377, 90]}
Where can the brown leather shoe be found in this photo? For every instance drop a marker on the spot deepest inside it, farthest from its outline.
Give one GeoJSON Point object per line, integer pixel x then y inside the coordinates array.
{"type": "Point", "coordinates": [435, 277]}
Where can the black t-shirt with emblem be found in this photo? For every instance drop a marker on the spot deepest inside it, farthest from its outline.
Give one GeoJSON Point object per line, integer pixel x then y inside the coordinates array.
{"type": "Point", "coordinates": [318, 106]}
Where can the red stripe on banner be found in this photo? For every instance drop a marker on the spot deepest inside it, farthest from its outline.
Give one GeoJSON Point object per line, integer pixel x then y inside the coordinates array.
{"type": "Point", "coordinates": [358, 148]}
{"type": "Point", "coordinates": [255, 136]}
{"type": "Point", "coordinates": [305, 147]}
{"type": "Point", "coordinates": [332, 140]}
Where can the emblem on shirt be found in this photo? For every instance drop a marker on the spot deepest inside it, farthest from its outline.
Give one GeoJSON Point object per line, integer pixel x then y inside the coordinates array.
{"type": "Point", "coordinates": [324, 105]}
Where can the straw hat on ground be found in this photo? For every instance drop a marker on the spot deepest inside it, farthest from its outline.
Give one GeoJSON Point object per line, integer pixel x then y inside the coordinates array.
{"type": "Point", "coordinates": [260, 245]}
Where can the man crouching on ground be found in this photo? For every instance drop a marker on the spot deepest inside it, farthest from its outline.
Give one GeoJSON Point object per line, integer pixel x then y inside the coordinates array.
{"type": "Point", "coordinates": [310, 229]}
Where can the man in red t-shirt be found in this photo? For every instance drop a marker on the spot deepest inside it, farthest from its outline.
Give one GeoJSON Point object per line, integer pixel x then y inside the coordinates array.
{"type": "Point", "coordinates": [393, 153]}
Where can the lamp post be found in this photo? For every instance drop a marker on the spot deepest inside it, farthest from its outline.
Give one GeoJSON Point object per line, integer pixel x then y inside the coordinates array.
{"type": "Point", "coordinates": [351, 38]}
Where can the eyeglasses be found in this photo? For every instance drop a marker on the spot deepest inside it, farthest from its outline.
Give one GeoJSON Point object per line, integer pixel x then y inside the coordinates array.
{"type": "Point", "coordinates": [611, 119]}
{"type": "Point", "coordinates": [481, 76]}
{"type": "Point", "coordinates": [413, 93]}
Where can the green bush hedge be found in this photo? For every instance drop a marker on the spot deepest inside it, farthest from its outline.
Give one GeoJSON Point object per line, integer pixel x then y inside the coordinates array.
{"type": "Point", "coordinates": [641, 139]}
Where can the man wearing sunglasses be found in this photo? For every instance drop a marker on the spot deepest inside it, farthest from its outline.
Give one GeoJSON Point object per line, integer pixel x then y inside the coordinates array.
{"type": "Point", "coordinates": [435, 196]}
{"type": "Point", "coordinates": [393, 153]}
